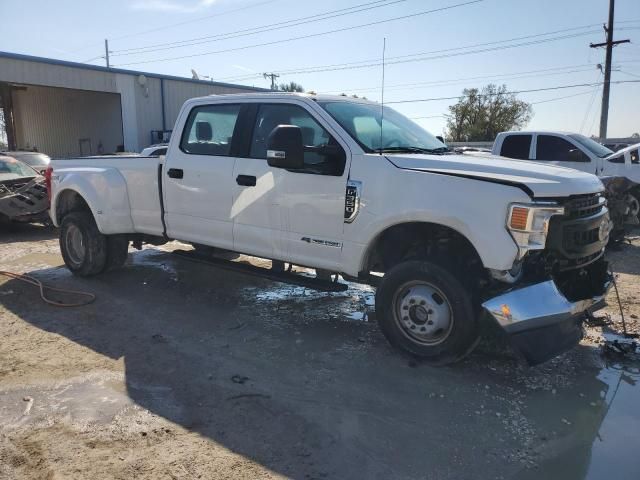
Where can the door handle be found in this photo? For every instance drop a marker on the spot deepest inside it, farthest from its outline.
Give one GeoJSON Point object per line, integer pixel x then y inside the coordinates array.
{"type": "Point", "coordinates": [246, 180]}
{"type": "Point", "coordinates": [175, 173]}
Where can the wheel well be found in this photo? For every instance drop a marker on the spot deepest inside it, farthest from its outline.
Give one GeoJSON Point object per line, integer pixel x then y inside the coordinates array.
{"type": "Point", "coordinates": [70, 201]}
{"type": "Point", "coordinates": [438, 243]}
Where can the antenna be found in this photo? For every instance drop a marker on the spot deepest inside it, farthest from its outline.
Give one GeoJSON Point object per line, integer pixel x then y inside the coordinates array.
{"type": "Point", "coordinates": [384, 48]}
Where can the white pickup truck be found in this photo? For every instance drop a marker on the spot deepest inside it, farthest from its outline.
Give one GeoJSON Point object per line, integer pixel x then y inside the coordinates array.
{"type": "Point", "coordinates": [315, 181]}
{"type": "Point", "coordinates": [575, 151]}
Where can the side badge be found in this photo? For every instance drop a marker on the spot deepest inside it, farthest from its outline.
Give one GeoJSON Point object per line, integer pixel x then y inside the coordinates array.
{"type": "Point", "coordinates": [352, 200]}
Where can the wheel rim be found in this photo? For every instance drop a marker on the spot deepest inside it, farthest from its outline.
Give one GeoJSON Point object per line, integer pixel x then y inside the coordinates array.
{"type": "Point", "coordinates": [423, 313]}
{"type": "Point", "coordinates": [75, 244]}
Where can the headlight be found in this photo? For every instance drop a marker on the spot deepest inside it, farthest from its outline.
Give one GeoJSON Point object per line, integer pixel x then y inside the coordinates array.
{"type": "Point", "coordinates": [529, 224]}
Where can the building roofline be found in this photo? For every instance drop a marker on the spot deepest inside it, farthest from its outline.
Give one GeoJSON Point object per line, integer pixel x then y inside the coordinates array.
{"type": "Point", "coordinates": [85, 66]}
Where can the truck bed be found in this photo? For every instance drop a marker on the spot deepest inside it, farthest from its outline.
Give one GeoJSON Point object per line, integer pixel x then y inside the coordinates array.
{"type": "Point", "coordinates": [123, 184]}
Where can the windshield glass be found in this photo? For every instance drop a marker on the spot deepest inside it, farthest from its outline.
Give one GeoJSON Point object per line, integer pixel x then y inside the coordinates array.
{"type": "Point", "coordinates": [362, 122]}
{"type": "Point", "coordinates": [591, 145]}
{"type": "Point", "coordinates": [11, 168]}
{"type": "Point", "coordinates": [33, 159]}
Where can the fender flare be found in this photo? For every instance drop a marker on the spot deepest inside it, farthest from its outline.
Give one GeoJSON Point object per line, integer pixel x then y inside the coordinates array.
{"type": "Point", "coordinates": [104, 190]}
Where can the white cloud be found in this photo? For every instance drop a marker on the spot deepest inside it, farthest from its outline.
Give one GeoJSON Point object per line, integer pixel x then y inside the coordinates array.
{"type": "Point", "coordinates": [172, 5]}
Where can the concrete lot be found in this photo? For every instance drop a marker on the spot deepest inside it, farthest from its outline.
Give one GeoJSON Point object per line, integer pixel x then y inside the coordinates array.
{"type": "Point", "coordinates": [180, 371]}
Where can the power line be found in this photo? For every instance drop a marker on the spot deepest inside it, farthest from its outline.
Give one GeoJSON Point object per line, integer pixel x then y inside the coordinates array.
{"type": "Point", "coordinates": [260, 29]}
{"type": "Point", "coordinates": [510, 76]}
{"type": "Point", "coordinates": [561, 87]}
{"type": "Point", "coordinates": [312, 35]}
{"type": "Point", "coordinates": [199, 19]}
{"type": "Point", "coordinates": [532, 103]}
{"type": "Point", "coordinates": [405, 58]}
{"type": "Point", "coordinates": [561, 98]}
{"type": "Point", "coordinates": [172, 25]}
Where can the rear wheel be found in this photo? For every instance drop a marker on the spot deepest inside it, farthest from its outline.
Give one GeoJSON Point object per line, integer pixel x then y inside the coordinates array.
{"type": "Point", "coordinates": [423, 309]}
{"type": "Point", "coordinates": [83, 247]}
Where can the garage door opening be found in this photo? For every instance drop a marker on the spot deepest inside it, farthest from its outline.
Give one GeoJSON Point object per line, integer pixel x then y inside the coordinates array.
{"type": "Point", "coordinates": [61, 122]}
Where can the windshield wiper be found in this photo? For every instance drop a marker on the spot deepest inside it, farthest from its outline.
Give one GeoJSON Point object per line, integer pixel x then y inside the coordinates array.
{"type": "Point", "coordinates": [435, 151]}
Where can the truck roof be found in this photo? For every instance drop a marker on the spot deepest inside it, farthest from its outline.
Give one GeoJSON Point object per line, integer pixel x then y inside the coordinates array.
{"type": "Point", "coordinates": [531, 132]}
{"type": "Point", "coordinates": [283, 95]}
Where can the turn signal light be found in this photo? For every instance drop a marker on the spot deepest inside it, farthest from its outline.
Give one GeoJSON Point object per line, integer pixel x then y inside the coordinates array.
{"type": "Point", "coordinates": [519, 218]}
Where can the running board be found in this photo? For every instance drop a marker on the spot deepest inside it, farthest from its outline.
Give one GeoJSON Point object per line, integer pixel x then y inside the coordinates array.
{"type": "Point", "coordinates": [284, 277]}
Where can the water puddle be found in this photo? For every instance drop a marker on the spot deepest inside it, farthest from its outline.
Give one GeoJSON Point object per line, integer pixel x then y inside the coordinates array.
{"type": "Point", "coordinates": [355, 303]}
{"type": "Point", "coordinates": [96, 399]}
{"type": "Point", "coordinates": [155, 258]}
{"type": "Point", "coordinates": [592, 431]}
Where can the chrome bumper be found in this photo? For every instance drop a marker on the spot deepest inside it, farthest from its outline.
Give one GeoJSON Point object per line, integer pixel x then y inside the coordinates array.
{"type": "Point", "coordinates": [539, 320]}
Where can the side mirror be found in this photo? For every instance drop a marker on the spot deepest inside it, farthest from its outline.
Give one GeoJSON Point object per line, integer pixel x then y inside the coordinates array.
{"type": "Point", "coordinates": [576, 155]}
{"type": "Point", "coordinates": [285, 148]}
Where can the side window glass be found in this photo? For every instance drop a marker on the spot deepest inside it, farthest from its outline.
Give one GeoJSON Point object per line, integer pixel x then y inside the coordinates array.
{"type": "Point", "coordinates": [550, 148]}
{"type": "Point", "coordinates": [516, 146]}
{"type": "Point", "coordinates": [209, 130]}
{"type": "Point", "coordinates": [322, 154]}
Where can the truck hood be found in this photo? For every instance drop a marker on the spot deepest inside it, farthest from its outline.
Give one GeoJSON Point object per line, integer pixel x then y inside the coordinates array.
{"type": "Point", "coordinates": [537, 179]}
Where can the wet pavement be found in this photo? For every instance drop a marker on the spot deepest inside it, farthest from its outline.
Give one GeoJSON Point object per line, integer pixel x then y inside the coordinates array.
{"type": "Point", "coordinates": [182, 370]}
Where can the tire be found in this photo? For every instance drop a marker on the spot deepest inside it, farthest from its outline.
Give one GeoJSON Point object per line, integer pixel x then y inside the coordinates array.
{"type": "Point", "coordinates": [117, 252]}
{"type": "Point", "coordinates": [83, 247]}
{"type": "Point", "coordinates": [414, 293]}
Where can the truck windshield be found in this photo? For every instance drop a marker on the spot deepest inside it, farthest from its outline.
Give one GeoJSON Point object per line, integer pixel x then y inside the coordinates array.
{"type": "Point", "coordinates": [11, 169]}
{"type": "Point", "coordinates": [591, 145]}
{"type": "Point", "coordinates": [399, 134]}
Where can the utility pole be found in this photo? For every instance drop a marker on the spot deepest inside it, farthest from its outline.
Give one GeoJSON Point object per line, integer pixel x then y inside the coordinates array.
{"type": "Point", "coordinates": [609, 44]}
{"type": "Point", "coordinates": [273, 77]}
{"type": "Point", "coordinates": [106, 51]}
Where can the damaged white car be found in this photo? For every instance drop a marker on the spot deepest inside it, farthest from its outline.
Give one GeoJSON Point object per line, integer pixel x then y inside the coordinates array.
{"type": "Point", "coordinates": [23, 194]}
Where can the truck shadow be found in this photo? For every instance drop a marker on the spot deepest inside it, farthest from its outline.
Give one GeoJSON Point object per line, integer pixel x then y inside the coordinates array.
{"type": "Point", "coordinates": [282, 384]}
{"type": "Point", "coordinates": [26, 232]}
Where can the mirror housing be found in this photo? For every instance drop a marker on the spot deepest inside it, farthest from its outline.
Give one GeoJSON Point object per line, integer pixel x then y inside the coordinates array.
{"type": "Point", "coordinates": [285, 148]}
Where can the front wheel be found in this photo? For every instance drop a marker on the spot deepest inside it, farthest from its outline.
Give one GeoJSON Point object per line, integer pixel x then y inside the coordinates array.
{"type": "Point", "coordinates": [424, 310]}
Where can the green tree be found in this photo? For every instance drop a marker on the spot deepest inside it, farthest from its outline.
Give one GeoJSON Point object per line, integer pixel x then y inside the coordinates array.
{"type": "Point", "coordinates": [480, 115]}
{"type": "Point", "coordinates": [635, 135]}
{"type": "Point", "coordinates": [291, 87]}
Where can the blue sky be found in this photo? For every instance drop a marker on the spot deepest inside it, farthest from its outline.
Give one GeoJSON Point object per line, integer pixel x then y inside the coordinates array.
{"type": "Point", "coordinates": [75, 30]}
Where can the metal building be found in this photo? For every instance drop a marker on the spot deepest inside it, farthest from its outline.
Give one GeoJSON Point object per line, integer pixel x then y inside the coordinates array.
{"type": "Point", "coordinates": [68, 109]}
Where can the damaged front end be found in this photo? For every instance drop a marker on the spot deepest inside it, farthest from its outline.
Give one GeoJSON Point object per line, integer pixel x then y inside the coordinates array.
{"type": "Point", "coordinates": [556, 285]}
{"type": "Point", "coordinates": [24, 200]}
{"type": "Point", "coordinates": [623, 205]}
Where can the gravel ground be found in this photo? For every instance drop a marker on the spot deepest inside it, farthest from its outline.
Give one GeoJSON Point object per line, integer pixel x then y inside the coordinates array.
{"type": "Point", "coordinates": [180, 370]}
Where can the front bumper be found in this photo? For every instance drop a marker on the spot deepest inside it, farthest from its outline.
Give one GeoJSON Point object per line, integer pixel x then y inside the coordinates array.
{"type": "Point", "coordinates": [540, 321]}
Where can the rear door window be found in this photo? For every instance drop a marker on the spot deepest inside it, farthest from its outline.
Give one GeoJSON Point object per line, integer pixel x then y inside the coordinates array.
{"type": "Point", "coordinates": [209, 130]}
{"type": "Point", "coordinates": [516, 146]}
{"type": "Point", "coordinates": [555, 149]}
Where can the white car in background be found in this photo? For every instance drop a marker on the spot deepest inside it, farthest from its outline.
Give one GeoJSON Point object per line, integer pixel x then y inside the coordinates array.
{"type": "Point", "coordinates": [155, 150]}
{"type": "Point", "coordinates": [575, 151]}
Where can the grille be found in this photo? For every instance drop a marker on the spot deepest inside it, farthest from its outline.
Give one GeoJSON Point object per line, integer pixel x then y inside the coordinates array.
{"type": "Point", "coordinates": [580, 239]}
{"type": "Point", "coordinates": [583, 206]}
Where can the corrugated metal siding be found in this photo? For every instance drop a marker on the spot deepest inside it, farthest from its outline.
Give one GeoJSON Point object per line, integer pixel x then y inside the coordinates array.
{"type": "Point", "coordinates": [148, 109]}
{"type": "Point", "coordinates": [176, 93]}
{"type": "Point", "coordinates": [35, 73]}
{"type": "Point", "coordinates": [54, 125]}
{"type": "Point", "coordinates": [54, 120]}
